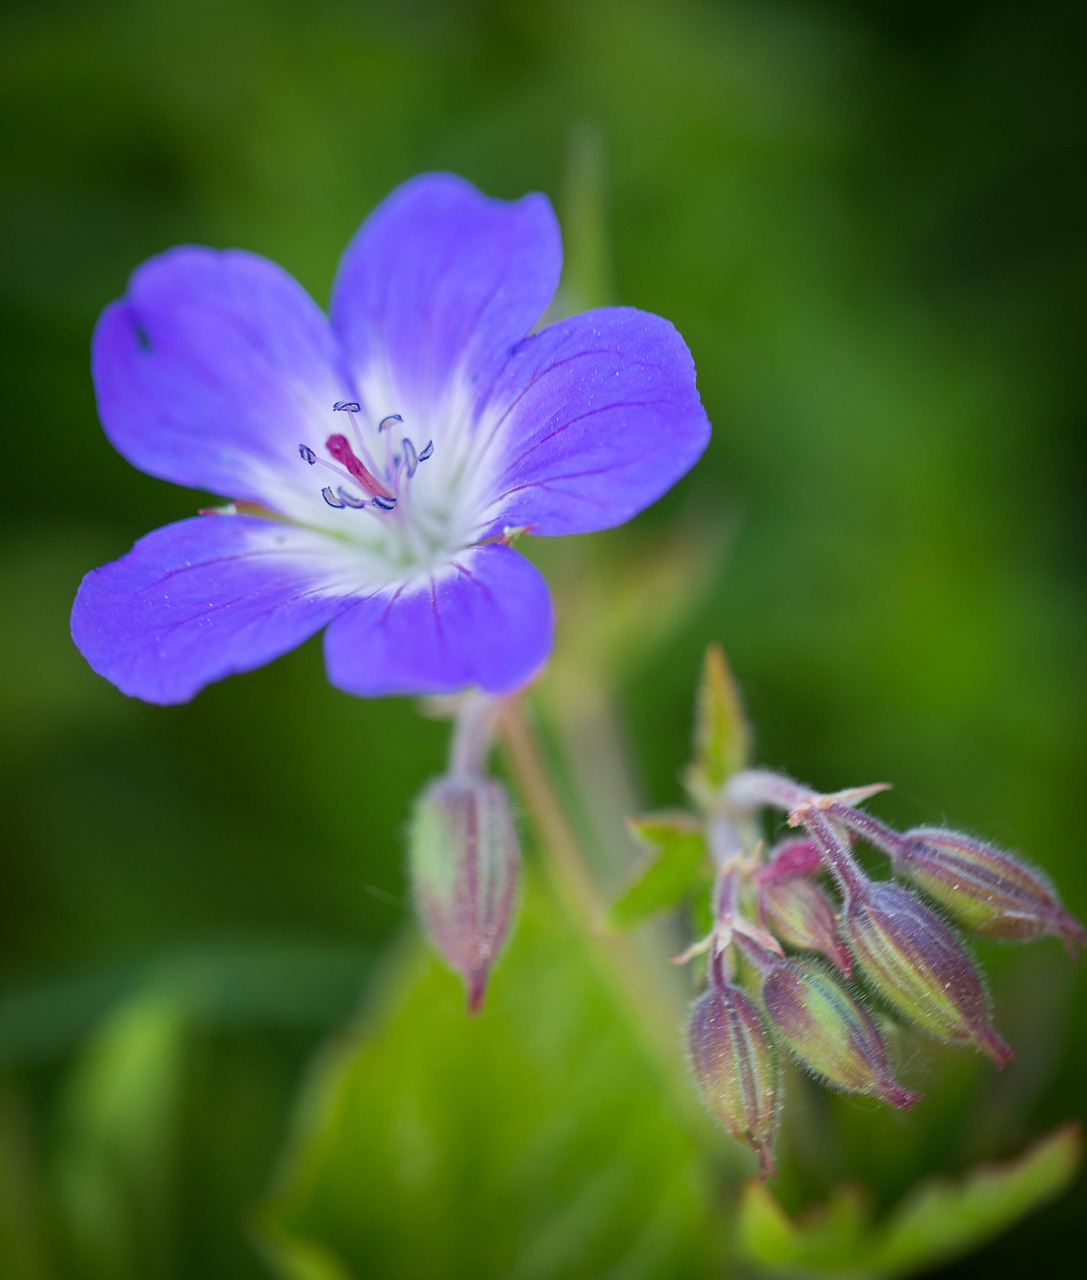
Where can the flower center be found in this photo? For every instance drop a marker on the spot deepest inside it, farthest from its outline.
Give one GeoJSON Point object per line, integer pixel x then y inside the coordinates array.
{"type": "Point", "coordinates": [367, 485]}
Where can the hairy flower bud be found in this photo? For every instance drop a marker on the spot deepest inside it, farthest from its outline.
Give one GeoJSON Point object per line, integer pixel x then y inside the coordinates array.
{"type": "Point", "coordinates": [465, 863]}
{"type": "Point", "coordinates": [829, 1032]}
{"type": "Point", "coordinates": [801, 914]}
{"type": "Point", "coordinates": [736, 1066]}
{"type": "Point", "coordinates": [918, 965]}
{"type": "Point", "coordinates": [984, 889]}
{"type": "Point", "coordinates": [796, 857]}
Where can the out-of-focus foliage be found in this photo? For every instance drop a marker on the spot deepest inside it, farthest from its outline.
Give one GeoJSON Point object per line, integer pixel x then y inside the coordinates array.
{"type": "Point", "coordinates": [867, 220]}
{"type": "Point", "coordinates": [675, 864]}
{"type": "Point", "coordinates": [567, 1151]}
{"type": "Point", "coordinates": [937, 1221]}
{"type": "Point", "coordinates": [722, 739]}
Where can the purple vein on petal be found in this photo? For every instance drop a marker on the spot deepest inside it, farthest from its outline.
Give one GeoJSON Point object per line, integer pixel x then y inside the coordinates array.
{"type": "Point", "coordinates": [581, 417]}
{"type": "Point", "coordinates": [540, 373]}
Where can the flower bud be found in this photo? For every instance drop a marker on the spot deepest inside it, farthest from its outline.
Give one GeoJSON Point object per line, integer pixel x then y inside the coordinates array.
{"type": "Point", "coordinates": [465, 862]}
{"type": "Point", "coordinates": [797, 857]}
{"type": "Point", "coordinates": [829, 1032]}
{"type": "Point", "coordinates": [984, 889]}
{"type": "Point", "coordinates": [918, 965]}
{"type": "Point", "coordinates": [736, 1066]}
{"type": "Point", "coordinates": [802, 915]}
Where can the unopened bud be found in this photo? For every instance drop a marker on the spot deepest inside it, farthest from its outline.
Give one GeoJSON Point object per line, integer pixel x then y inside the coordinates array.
{"type": "Point", "coordinates": [984, 889]}
{"type": "Point", "coordinates": [736, 1066]}
{"type": "Point", "coordinates": [803, 916]}
{"type": "Point", "coordinates": [796, 857]}
{"type": "Point", "coordinates": [829, 1032]}
{"type": "Point", "coordinates": [465, 864]}
{"type": "Point", "coordinates": [917, 963]}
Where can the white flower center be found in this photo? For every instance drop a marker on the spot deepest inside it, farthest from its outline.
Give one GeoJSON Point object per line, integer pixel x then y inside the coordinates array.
{"type": "Point", "coordinates": [408, 525]}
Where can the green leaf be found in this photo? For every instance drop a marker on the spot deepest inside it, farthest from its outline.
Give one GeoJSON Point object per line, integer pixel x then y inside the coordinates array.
{"type": "Point", "coordinates": [944, 1219]}
{"type": "Point", "coordinates": [722, 738]}
{"type": "Point", "coordinates": [120, 1118]}
{"type": "Point", "coordinates": [541, 1138]}
{"type": "Point", "coordinates": [23, 1230]}
{"type": "Point", "coordinates": [825, 1241]}
{"type": "Point", "coordinates": [677, 863]}
{"type": "Point", "coordinates": [938, 1221]}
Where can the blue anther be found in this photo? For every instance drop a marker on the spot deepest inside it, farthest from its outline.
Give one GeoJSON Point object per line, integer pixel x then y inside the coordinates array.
{"type": "Point", "coordinates": [411, 458]}
{"type": "Point", "coordinates": [392, 417]}
{"type": "Point", "coordinates": [307, 454]}
{"type": "Point", "coordinates": [331, 499]}
{"type": "Point", "coordinates": [351, 406]}
{"type": "Point", "coordinates": [427, 451]}
{"type": "Point", "coordinates": [351, 499]}
{"type": "Point", "coordinates": [384, 503]}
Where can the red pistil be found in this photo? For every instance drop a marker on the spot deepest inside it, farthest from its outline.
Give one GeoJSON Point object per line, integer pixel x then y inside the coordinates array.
{"type": "Point", "coordinates": [340, 448]}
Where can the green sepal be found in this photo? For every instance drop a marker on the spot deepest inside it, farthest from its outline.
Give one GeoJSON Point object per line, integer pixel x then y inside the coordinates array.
{"type": "Point", "coordinates": [678, 863]}
{"type": "Point", "coordinates": [722, 735]}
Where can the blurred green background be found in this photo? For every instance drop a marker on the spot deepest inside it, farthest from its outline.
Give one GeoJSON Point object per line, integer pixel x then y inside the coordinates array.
{"type": "Point", "coordinates": [866, 218]}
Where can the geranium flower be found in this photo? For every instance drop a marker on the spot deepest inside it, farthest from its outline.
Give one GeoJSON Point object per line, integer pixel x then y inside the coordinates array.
{"type": "Point", "coordinates": [377, 460]}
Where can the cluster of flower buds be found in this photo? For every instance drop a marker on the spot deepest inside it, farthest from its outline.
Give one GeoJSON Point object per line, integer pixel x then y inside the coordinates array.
{"type": "Point", "coordinates": [463, 855]}
{"type": "Point", "coordinates": [775, 913]}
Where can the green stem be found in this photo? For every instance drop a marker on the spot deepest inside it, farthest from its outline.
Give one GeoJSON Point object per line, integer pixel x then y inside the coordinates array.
{"type": "Point", "coordinates": [657, 1007]}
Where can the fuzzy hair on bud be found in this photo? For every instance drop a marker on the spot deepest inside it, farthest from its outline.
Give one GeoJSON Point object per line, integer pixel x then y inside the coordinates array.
{"type": "Point", "coordinates": [983, 889]}
{"type": "Point", "coordinates": [803, 915]}
{"type": "Point", "coordinates": [918, 965]}
{"type": "Point", "coordinates": [465, 864]}
{"type": "Point", "coordinates": [736, 1067]}
{"type": "Point", "coordinates": [828, 1032]}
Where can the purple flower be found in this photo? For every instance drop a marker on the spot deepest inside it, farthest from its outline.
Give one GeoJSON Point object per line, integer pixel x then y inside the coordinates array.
{"type": "Point", "coordinates": [378, 460]}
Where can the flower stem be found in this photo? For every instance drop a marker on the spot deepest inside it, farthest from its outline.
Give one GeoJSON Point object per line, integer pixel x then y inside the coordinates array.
{"type": "Point", "coordinates": [868, 828]}
{"type": "Point", "coordinates": [839, 861]}
{"type": "Point", "coordinates": [759, 788]}
{"type": "Point", "coordinates": [473, 732]}
{"type": "Point", "coordinates": [655, 1004]}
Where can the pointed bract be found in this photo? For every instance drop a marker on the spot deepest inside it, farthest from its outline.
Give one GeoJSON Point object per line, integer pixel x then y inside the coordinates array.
{"type": "Point", "coordinates": [722, 732]}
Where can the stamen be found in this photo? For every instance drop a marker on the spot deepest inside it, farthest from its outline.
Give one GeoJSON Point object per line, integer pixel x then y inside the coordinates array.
{"type": "Point", "coordinates": [351, 407]}
{"type": "Point", "coordinates": [358, 467]}
{"type": "Point", "coordinates": [340, 448]}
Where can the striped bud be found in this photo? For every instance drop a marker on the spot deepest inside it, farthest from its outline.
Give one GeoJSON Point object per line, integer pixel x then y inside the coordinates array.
{"type": "Point", "coordinates": [917, 963]}
{"type": "Point", "coordinates": [736, 1066]}
{"type": "Point", "coordinates": [985, 890]}
{"type": "Point", "coordinates": [465, 864]}
{"type": "Point", "coordinates": [802, 915]}
{"type": "Point", "coordinates": [827, 1031]}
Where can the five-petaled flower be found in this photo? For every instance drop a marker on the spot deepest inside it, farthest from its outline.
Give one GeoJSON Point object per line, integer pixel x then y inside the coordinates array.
{"type": "Point", "coordinates": [376, 459]}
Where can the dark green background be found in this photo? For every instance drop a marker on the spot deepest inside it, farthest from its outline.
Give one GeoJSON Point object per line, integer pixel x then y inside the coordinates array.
{"type": "Point", "coordinates": [867, 221]}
